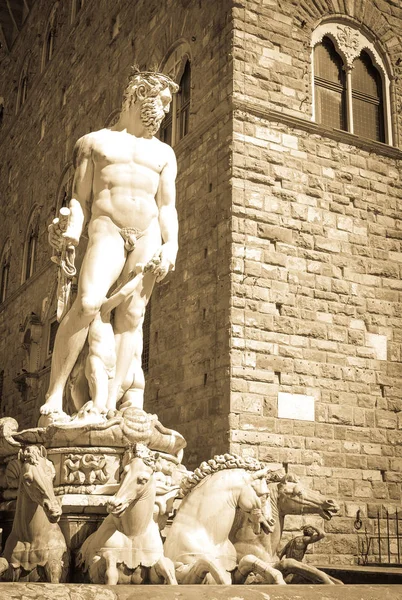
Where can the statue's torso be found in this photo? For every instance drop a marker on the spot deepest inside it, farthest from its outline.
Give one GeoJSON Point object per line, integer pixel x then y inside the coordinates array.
{"type": "Point", "coordinates": [126, 178]}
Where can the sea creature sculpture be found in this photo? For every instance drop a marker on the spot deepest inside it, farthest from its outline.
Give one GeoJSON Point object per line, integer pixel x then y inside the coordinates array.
{"type": "Point", "coordinates": [127, 547]}
{"type": "Point", "coordinates": [198, 540]}
{"type": "Point", "coordinates": [36, 540]}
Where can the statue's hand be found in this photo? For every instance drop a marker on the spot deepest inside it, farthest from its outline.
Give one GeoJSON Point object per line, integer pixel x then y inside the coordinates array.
{"type": "Point", "coordinates": [55, 236]}
{"type": "Point", "coordinates": [70, 238]}
{"type": "Point", "coordinates": [59, 239]}
{"type": "Point", "coordinates": [165, 260]}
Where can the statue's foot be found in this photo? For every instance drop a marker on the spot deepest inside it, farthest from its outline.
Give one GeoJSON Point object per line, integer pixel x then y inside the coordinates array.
{"type": "Point", "coordinates": [53, 418]}
{"type": "Point", "coordinates": [53, 404]}
{"type": "Point", "coordinates": [89, 414]}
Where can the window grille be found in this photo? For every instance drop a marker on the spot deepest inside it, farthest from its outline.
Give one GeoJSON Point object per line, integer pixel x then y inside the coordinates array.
{"type": "Point", "coordinates": [146, 337]}
{"type": "Point", "coordinates": [54, 325]}
{"type": "Point", "coordinates": [330, 86]}
{"type": "Point", "coordinates": [4, 281]}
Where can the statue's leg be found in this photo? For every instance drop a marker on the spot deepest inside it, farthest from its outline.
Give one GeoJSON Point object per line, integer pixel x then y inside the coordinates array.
{"type": "Point", "coordinates": [128, 320]}
{"type": "Point", "coordinates": [163, 572]}
{"type": "Point", "coordinates": [102, 265]}
{"type": "Point", "coordinates": [308, 572]}
{"type": "Point", "coordinates": [251, 564]}
{"type": "Point", "coordinates": [53, 571]}
{"type": "Point", "coordinates": [197, 571]}
{"type": "Point", "coordinates": [101, 361]}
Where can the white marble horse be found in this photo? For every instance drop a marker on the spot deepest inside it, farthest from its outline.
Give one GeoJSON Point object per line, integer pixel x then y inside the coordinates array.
{"type": "Point", "coordinates": [259, 553]}
{"type": "Point", "coordinates": [127, 547]}
{"type": "Point", "coordinates": [36, 540]}
{"type": "Point", "coordinates": [198, 540]}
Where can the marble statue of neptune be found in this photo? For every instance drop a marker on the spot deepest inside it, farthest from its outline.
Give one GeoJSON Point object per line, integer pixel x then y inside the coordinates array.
{"type": "Point", "coordinates": [124, 187]}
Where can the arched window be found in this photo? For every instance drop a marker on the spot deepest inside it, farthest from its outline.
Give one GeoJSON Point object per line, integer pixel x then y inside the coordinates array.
{"type": "Point", "coordinates": [183, 102]}
{"type": "Point", "coordinates": [5, 270]}
{"type": "Point", "coordinates": [50, 36]}
{"type": "Point", "coordinates": [351, 82]}
{"type": "Point", "coordinates": [146, 338]}
{"type": "Point", "coordinates": [31, 242]}
{"type": "Point", "coordinates": [367, 99]}
{"type": "Point", "coordinates": [330, 88]}
{"type": "Point", "coordinates": [22, 86]}
{"type": "Point", "coordinates": [176, 124]}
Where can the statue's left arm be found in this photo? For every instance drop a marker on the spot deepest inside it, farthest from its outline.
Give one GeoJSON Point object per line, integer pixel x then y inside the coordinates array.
{"type": "Point", "coordinates": [315, 537]}
{"type": "Point", "coordinates": [166, 200]}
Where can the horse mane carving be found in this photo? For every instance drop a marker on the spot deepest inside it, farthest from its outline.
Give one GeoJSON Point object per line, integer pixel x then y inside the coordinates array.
{"type": "Point", "coordinates": [218, 463]}
{"type": "Point", "coordinates": [139, 450]}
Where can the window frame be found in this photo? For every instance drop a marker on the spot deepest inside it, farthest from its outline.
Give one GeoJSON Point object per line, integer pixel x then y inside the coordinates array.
{"type": "Point", "coordinates": [50, 30]}
{"type": "Point", "coordinates": [30, 247]}
{"type": "Point", "coordinates": [22, 93]}
{"type": "Point", "coordinates": [174, 65]}
{"type": "Point", "coordinates": [349, 43]}
{"type": "Point", "coordinates": [5, 270]}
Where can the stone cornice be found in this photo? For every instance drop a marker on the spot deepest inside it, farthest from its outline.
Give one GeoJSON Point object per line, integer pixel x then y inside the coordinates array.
{"type": "Point", "coordinates": [344, 137]}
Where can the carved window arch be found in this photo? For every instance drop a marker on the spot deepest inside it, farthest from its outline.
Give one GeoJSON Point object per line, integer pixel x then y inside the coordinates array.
{"type": "Point", "coordinates": [177, 65]}
{"type": "Point", "coordinates": [50, 37]}
{"type": "Point", "coordinates": [351, 82]}
{"type": "Point", "coordinates": [22, 93]}
{"type": "Point", "coordinates": [65, 187]}
{"type": "Point", "coordinates": [5, 270]}
{"type": "Point", "coordinates": [30, 246]}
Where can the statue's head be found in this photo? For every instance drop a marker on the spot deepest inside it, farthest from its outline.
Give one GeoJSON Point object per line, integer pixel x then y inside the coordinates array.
{"type": "Point", "coordinates": [153, 91]}
{"type": "Point", "coordinates": [308, 531]}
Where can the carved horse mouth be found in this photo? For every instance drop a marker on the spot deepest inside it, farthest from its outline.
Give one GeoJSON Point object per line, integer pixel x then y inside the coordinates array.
{"type": "Point", "coordinates": [330, 511]}
{"type": "Point", "coordinates": [53, 511]}
{"type": "Point", "coordinates": [117, 508]}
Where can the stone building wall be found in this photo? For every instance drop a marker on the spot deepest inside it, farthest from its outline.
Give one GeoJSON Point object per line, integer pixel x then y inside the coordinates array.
{"type": "Point", "coordinates": [316, 272]}
{"type": "Point", "coordinates": [75, 93]}
{"type": "Point", "coordinates": [287, 283]}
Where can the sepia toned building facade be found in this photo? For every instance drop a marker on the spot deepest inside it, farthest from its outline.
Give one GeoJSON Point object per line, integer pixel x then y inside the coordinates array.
{"type": "Point", "coordinates": [279, 334]}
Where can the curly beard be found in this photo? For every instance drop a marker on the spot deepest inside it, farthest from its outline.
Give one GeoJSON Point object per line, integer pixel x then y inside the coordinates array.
{"type": "Point", "coordinates": [151, 114]}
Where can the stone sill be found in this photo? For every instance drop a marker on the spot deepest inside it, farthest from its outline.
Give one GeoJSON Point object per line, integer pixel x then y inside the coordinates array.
{"type": "Point", "coordinates": [343, 137]}
{"type": "Point", "coordinates": [39, 591]}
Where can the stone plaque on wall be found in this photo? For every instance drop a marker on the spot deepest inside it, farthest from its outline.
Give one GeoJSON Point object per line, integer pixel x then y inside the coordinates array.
{"type": "Point", "coordinates": [295, 406]}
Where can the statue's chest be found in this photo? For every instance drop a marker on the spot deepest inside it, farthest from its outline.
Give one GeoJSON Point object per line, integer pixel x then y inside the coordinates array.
{"type": "Point", "coordinates": [125, 151]}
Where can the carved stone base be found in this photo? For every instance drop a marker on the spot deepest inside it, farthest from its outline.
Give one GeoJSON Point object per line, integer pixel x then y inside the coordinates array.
{"type": "Point", "coordinates": [42, 591]}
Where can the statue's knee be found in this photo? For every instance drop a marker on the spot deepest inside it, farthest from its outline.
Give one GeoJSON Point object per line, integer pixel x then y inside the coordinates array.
{"type": "Point", "coordinates": [89, 306]}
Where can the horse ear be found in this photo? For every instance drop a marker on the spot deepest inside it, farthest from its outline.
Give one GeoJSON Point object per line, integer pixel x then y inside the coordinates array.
{"type": "Point", "coordinates": [13, 472]}
{"type": "Point", "coordinates": [43, 452]}
{"type": "Point", "coordinates": [291, 478]}
{"type": "Point", "coordinates": [260, 473]}
{"type": "Point", "coordinates": [127, 457]}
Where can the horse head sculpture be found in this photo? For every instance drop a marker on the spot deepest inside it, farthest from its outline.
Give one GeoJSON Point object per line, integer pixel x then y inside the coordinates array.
{"type": "Point", "coordinates": [127, 547]}
{"type": "Point", "coordinates": [254, 500]}
{"type": "Point", "coordinates": [295, 499]}
{"type": "Point", "coordinates": [36, 540]}
{"type": "Point", "coordinates": [258, 553]}
{"type": "Point", "coordinates": [137, 479]}
{"type": "Point", "coordinates": [198, 540]}
{"type": "Point", "coordinates": [36, 480]}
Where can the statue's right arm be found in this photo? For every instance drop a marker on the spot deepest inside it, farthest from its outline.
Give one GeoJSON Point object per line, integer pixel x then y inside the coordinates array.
{"type": "Point", "coordinates": [82, 189]}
